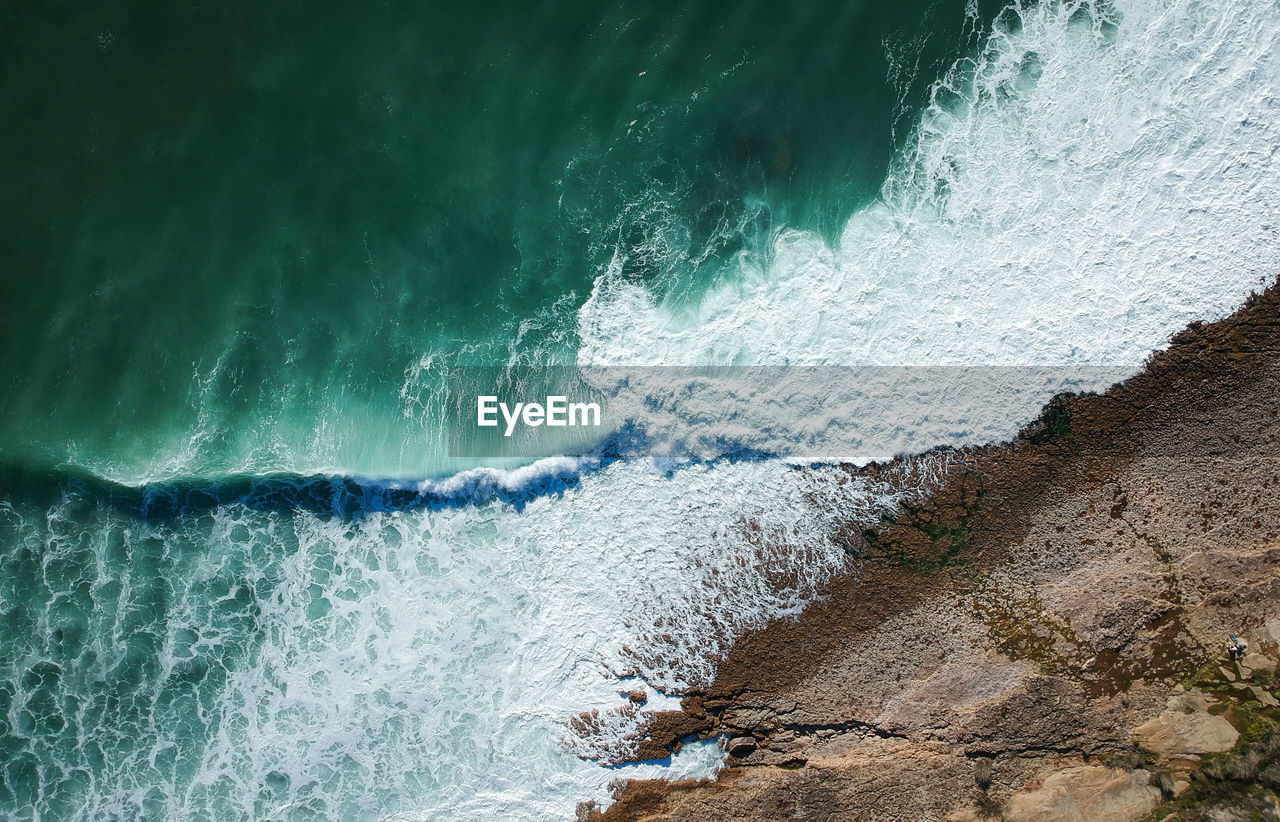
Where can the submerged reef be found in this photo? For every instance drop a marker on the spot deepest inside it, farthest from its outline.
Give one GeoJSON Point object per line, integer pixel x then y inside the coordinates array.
{"type": "Point", "coordinates": [1043, 638]}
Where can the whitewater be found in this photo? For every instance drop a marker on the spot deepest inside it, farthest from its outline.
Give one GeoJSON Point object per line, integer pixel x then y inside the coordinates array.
{"type": "Point", "coordinates": [1092, 179]}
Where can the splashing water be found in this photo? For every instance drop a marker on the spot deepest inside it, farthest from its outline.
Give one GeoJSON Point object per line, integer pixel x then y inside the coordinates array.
{"type": "Point", "coordinates": [1078, 189]}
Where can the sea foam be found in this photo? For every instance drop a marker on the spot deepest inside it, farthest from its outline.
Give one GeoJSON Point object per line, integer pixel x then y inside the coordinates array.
{"type": "Point", "coordinates": [1075, 193]}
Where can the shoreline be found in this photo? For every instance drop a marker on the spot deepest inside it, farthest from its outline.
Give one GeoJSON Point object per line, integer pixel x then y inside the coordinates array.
{"type": "Point", "coordinates": [1038, 607]}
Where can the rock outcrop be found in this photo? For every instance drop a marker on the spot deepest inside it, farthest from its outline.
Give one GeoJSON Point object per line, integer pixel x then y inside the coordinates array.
{"type": "Point", "coordinates": [1086, 793]}
{"type": "Point", "coordinates": [1036, 611]}
{"type": "Point", "coordinates": [1186, 730]}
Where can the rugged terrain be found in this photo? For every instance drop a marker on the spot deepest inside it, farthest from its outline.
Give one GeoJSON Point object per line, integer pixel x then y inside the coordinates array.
{"type": "Point", "coordinates": [1044, 639]}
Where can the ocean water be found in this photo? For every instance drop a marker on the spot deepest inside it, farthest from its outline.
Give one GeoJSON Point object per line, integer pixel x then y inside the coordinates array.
{"type": "Point", "coordinates": [241, 576]}
{"type": "Point", "coordinates": [246, 239]}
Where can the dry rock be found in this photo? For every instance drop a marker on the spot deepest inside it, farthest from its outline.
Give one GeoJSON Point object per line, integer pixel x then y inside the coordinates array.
{"type": "Point", "coordinates": [1263, 696]}
{"type": "Point", "coordinates": [1185, 729]}
{"type": "Point", "coordinates": [1086, 793]}
{"type": "Point", "coordinates": [1255, 662]}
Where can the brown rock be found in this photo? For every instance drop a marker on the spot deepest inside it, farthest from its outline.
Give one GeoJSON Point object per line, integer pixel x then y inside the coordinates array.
{"type": "Point", "coordinates": [879, 780]}
{"type": "Point", "coordinates": [1265, 697]}
{"type": "Point", "coordinates": [1041, 604]}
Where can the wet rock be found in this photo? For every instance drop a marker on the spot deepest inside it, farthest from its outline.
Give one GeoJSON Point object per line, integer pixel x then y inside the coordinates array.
{"type": "Point", "coordinates": [741, 746]}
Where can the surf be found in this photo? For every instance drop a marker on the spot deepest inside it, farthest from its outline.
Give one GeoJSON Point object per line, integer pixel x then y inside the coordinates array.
{"type": "Point", "coordinates": [1088, 181]}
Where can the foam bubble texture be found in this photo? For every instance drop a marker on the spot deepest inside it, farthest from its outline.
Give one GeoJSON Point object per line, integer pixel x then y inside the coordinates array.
{"type": "Point", "coordinates": [419, 664]}
{"type": "Point", "coordinates": [1076, 193]}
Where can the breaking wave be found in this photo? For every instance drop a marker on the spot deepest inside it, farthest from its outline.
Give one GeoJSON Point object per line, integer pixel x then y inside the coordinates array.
{"type": "Point", "coordinates": [1094, 178]}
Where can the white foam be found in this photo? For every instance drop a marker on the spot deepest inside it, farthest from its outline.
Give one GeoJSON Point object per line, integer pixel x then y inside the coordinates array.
{"type": "Point", "coordinates": [1079, 217]}
{"type": "Point", "coordinates": [831, 414]}
{"type": "Point", "coordinates": [433, 658]}
{"type": "Point", "coordinates": [1074, 195]}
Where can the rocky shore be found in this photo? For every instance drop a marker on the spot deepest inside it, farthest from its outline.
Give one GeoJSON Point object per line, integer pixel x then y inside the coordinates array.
{"type": "Point", "coordinates": [1044, 639]}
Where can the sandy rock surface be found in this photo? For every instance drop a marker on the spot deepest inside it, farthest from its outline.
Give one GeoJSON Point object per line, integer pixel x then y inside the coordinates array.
{"type": "Point", "coordinates": [1186, 730]}
{"type": "Point", "coordinates": [1085, 794]}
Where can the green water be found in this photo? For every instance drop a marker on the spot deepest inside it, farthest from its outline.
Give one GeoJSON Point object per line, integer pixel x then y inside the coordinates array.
{"type": "Point", "coordinates": [246, 237]}
{"type": "Point", "coordinates": [244, 246]}
{"type": "Point", "coordinates": [250, 238]}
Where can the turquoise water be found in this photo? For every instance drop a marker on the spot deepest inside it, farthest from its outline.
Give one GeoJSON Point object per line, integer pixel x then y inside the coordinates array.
{"type": "Point", "coordinates": [244, 247]}
{"type": "Point", "coordinates": [246, 238]}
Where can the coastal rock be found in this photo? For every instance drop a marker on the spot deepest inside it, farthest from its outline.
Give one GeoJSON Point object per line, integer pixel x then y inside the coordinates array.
{"type": "Point", "coordinates": [1040, 606]}
{"type": "Point", "coordinates": [878, 780]}
{"type": "Point", "coordinates": [1085, 794]}
{"type": "Point", "coordinates": [1243, 690]}
{"type": "Point", "coordinates": [741, 746]}
{"type": "Point", "coordinates": [1186, 730]}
